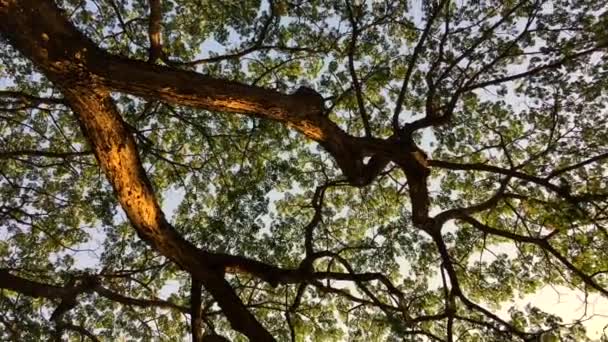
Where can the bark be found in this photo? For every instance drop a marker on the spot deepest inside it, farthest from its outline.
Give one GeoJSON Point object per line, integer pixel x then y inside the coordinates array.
{"type": "Point", "coordinates": [31, 288]}
{"type": "Point", "coordinates": [154, 33]}
{"type": "Point", "coordinates": [196, 319]}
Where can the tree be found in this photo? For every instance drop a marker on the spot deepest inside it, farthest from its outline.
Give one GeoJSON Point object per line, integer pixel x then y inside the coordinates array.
{"type": "Point", "coordinates": [300, 170]}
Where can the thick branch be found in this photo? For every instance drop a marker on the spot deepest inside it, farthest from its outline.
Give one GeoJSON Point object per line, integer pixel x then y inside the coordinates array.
{"type": "Point", "coordinates": [42, 34]}
{"type": "Point", "coordinates": [154, 31]}
{"type": "Point", "coordinates": [41, 290]}
{"type": "Point", "coordinates": [196, 319]}
{"type": "Point", "coordinates": [31, 288]}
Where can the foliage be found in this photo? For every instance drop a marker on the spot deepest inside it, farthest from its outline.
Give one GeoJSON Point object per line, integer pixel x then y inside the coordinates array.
{"type": "Point", "coordinates": [507, 98]}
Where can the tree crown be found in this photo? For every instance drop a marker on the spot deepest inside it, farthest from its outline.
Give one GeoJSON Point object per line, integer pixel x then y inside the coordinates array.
{"type": "Point", "coordinates": [300, 170]}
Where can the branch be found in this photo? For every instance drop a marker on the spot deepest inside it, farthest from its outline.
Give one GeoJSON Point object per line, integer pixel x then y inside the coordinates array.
{"type": "Point", "coordinates": [154, 31]}
{"type": "Point", "coordinates": [516, 174]}
{"type": "Point", "coordinates": [317, 204]}
{"type": "Point", "coordinates": [31, 99]}
{"type": "Point", "coordinates": [36, 153]}
{"type": "Point", "coordinates": [353, 73]}
{"type": "Point", "coordinates": [301, 111]}
{"type": "Point", "coordinates": [79, 329]}
{"type": "Point", "coordinates": [436, 115]}
{"type": "Point", "coordinates": [244, 52]}
{"type": "Point", "coordinates": [292, 330]}
{"type": "Point", "coordinates": [491, 202]}
{"type": "Point", "coordinates": [457, 289]}
{"type": "Point", "coordinates": [112, 142]}
{"type": "Point", "coordinates": [359, 279]}
{"type": "Point", "coordinates": [534, 71]}
{"type": "Point", "coordinates": [123, 24]}
{"type": "Point", "coordinates": [144, 303]}
{"type": "Point", "coordinates": [542, 243]}
{"type": "Point", "coordinates": [196, 320]}
{"type": "Point", "coordinates": [558, 172]}
{"type": "Point", "coordinates": [412, 63]}
{"type": "Point", "coordinates": [41, 290]}
{"type": "Point", "coordinates": [11, 328]}
{"type": "Point", "coordinates": [31, 288]}
{"type": "Point", "coordinates": [257, 45]}
{"type": "Point", "coordinates": [87, 76]}
{"type": "Point", "coordinates": [484, 36]}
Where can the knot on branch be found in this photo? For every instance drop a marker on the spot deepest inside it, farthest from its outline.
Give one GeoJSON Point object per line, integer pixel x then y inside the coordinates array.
{"type": "Point", "coordinates": [415, 160]}
{"type": "Point", "coordinates": [314, 102]}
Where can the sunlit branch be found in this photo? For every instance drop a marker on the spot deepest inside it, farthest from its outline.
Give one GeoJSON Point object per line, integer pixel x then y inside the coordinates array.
{"type": "Point", "coordinates": [154, 31]}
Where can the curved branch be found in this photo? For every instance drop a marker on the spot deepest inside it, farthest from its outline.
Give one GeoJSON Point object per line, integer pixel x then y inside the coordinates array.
{"type": "Point", "coordinates": [491, 202]}
{"type": "Point", "coordinates": [41, 290]}
{"type": "Point", "coordinates": [457, 290]}
{"type": "Point", "coordinates": [564, 193]}
{"type": "Point", "coordinates": [542, 243]}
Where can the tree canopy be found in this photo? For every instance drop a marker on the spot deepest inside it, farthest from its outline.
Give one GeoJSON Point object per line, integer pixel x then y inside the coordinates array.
{"type": "Point", "coordinates": [300, 170]}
